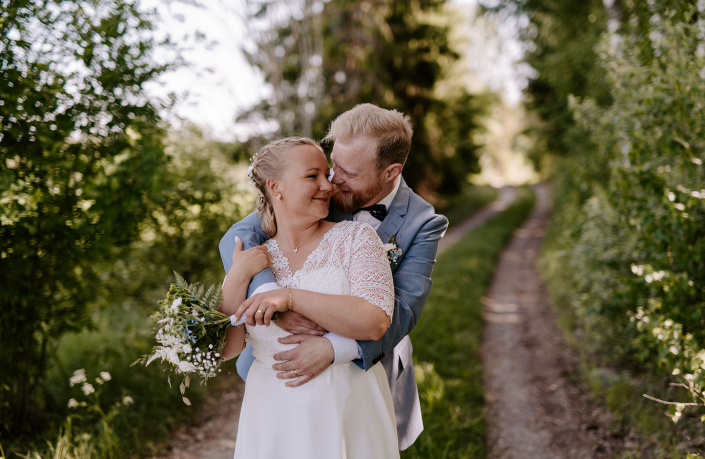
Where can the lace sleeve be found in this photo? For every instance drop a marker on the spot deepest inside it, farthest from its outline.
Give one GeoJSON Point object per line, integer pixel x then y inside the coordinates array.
{"type": "Point", "coordinates": [369, 271]}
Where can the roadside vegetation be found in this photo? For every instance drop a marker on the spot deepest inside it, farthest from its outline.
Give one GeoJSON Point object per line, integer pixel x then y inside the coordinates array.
{"type": "Point", "coordinates": [619, 97]}
{"type": "Point", "coordinates": [470, 199]}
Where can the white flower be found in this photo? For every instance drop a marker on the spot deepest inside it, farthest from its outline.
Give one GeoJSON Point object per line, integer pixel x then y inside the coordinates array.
{"type": "Point", "coordinates": [186, 367]}
{"type": "Point", "coordinates": [105, 375]}
{"type": "Point", "coordinates": [73, 403]}
{"type": "Point", "coordinates": [388, 246]}
{"type": "Point", "coordinates": [127, 400]}
{"type": "Point", "coordinates": [87, 389]}
{"type": "Point", "coordinates": [679, 206]}
{"type": "Point", "coordinates": [187, 348]}
{"type": "Point", "coordinates": [78, 377]}
{"type": "Point", "coordinates": [175, 305]}
{"type": "Point", "coordinates": [172, 356]}
{"type": "Point", "coordinates": [671, 196]}
{"type": "Point", "coordinates": [210, 346]}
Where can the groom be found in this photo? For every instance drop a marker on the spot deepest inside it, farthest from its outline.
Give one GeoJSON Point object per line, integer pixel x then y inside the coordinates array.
{"type": "Point", "coordinates": [370, 149]}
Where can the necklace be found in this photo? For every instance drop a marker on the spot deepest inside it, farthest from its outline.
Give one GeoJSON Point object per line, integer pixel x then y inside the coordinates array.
{"type": "Point", "coordinates": [296, 249]}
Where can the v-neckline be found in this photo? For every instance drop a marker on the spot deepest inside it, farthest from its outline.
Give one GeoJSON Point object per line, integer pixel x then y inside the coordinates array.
{"type": "Point", "coordinates": [308, 258]}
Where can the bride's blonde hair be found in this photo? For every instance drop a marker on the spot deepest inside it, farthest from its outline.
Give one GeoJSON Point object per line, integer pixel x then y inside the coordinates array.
{"type": "Point", "coordinates": [270, 163]}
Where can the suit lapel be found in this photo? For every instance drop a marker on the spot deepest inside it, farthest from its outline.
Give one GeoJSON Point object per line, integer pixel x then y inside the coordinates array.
{"type": "Point", "coordinates": [395, 214]}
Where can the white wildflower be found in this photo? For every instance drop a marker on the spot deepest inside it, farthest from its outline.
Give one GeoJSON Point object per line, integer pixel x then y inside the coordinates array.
{"type": "Point", "coordinates": [79, 376]}
{"type": "Point", "coordinates": [671, 196]}
{"type": "Point", "coordinates": [172, 356]}
{"type": "Point", "coordinates": [127, 400]}
{"type": "Point", "coordinates": [105, 375]}
{"type": "Point", "coordinates": [186, 367]}
{"type": "Point", "coordinates": [697, 161]}
{"type": "Point", "coordinates": [648, 278]}
{"type": "Point", "coordinates": [187, 348]}
{"type": "Point", "coordinates": [73, 403]}
{"type": "Point", "coordinates": [87, 389]}
{"type": "Point", "coordinates": [210, 346]}
{"type": "Point", "coordinates": [175, 305]}
{"type": "Point", "coordinates": [679, 206]}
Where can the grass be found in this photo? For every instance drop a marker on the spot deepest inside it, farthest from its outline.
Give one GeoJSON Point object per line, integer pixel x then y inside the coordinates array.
{"type": "Point", "coordinates": [447, 340]}
{"type": "Point", "coordinates": [105, 427]}
{"type": "Point", "coordinates": [471, 199]}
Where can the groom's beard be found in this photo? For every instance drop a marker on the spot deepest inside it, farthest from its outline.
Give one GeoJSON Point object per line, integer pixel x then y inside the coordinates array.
{"type": "Point", "coordinates": [351, 202]}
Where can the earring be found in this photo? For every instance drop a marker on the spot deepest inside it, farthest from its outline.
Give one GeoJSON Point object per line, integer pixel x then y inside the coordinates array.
{"type": "Point", "coordinates": [279, 197]}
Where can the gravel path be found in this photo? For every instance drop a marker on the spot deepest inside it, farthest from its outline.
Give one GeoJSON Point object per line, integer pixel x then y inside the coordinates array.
{"type": "Point", "coordinates": [536, 408]}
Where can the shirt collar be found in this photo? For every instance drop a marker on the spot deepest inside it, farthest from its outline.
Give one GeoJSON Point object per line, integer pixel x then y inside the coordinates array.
{"type": "Point", "coordinates": [387, 201]}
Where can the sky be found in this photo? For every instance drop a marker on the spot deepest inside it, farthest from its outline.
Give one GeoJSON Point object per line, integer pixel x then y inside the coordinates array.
{"type": "Point", "coordinates": [219, 83]}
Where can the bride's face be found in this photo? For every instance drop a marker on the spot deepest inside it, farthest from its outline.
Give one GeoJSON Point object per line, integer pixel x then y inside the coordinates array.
{"type": "Point", "coordinates": [304, 187]}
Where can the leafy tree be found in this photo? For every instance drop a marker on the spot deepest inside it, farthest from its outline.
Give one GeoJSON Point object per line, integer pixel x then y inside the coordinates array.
{"type": "Point", "coordinates": [388, 53]}
{"type": "Point", "coordinates": [80, 148]}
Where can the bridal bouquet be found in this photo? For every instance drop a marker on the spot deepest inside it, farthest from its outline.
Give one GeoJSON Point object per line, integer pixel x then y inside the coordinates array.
{"type": "Point", "coordinates": [191, 332]}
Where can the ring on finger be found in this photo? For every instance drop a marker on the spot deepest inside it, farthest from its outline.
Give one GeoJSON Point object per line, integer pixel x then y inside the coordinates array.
{"type": "Point", "coordinates": [260, 311]}
{"type": "Point", "coordinates": [296, 373]}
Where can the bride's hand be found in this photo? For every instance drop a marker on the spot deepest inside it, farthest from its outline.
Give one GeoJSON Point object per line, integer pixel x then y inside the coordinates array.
{"type": "Point", "coordinates": [251, 261]}
{"type": "Point", "coordinates": [260, 308]}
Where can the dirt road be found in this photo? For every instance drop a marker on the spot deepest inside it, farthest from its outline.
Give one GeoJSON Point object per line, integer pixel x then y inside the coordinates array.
{"type": "Point", "coordinates": [533, 408]}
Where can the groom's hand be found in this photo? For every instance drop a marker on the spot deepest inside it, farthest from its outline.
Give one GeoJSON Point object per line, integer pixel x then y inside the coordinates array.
{"type": "Point", "coordinates": [296, 324]}
{"type": "Point", "coordinates": [306, 361]}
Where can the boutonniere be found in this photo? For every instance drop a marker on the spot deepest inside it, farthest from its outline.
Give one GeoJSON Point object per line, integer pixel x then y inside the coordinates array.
{"type": "Point", "coordinates": [393, 250]}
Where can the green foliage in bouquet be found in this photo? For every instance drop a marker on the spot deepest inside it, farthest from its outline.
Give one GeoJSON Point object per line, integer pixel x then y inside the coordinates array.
{"type": "Point", "coordinates": [192, 332]}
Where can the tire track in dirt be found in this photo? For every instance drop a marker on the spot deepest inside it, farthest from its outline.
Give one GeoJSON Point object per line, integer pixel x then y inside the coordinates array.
{"type": "Point", "coordinates": [536, 406]}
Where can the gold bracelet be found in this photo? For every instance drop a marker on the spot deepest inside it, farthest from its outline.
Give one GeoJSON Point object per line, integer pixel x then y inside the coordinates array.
{"type": "Point", "coordinates": [291, 300]}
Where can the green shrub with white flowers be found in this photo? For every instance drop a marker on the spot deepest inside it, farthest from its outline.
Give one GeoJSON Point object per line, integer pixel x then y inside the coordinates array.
{"type": "Point", "coordinates": [629, 262]}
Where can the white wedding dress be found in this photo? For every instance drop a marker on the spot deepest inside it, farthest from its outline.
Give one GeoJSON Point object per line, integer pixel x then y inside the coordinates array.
{"type": "Point", "coordinates": [345, 412]}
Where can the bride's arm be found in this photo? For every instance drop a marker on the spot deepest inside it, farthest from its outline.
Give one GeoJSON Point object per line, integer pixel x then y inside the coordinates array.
{"type": "Point", "coordinates": [245, 265]}
{"type": "Point", "coordinates": [363, 315]}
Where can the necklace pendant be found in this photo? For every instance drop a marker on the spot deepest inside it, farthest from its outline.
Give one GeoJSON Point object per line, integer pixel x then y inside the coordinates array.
{"type": "Point", "coordinates": [296, 250]}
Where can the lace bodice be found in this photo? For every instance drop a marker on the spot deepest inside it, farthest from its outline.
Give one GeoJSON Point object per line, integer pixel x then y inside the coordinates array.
{"type": "Point", "coordinates": [350, 260]}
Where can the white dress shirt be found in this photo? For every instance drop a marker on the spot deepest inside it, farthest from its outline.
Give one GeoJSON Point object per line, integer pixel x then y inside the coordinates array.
{"type": "Point", "coordinates": [346, 349]}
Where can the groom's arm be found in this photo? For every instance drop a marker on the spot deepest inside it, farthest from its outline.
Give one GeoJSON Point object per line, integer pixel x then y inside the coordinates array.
{"type": "Point", "coordinates": [412, 285]}
{"type": "Point", "coordinates": [250, 231]}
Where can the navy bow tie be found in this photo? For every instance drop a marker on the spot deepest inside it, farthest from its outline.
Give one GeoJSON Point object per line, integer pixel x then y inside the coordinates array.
{"type": "Point", "coordinates": [378, 211]}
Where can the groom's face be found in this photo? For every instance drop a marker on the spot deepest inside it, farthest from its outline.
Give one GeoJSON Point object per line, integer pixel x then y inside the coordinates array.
{"type": "Point", "coordinates": [356, 180]}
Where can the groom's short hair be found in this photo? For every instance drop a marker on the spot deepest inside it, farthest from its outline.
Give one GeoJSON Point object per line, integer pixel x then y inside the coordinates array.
{"type": "Point", "coordinates": [391, 128]}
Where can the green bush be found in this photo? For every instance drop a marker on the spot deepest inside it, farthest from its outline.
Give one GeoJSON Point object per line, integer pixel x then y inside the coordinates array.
{"type": "Point", "coordinates": [629, 262]}
{"type": "Point", "coordinates": [80, 152]}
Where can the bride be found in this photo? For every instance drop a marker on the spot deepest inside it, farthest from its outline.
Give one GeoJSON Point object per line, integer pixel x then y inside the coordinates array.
{"type": "Point", "coordinates": [336, 275]}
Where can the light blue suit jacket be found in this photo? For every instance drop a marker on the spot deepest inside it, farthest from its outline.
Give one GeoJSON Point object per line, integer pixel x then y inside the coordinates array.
{"type": "Point", "coordinates": [417, 230]}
